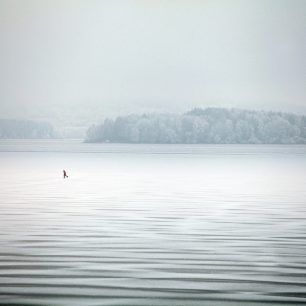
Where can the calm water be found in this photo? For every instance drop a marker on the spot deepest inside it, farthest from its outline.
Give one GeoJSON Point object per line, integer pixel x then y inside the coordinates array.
{"type": "Point", "coordinates": [152, 225]}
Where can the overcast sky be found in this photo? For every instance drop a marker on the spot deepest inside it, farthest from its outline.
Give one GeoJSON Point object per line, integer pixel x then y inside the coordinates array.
{"type": "Point", "coordinates": [77, 62]}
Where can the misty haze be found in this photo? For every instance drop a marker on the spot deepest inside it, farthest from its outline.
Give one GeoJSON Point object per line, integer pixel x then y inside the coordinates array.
{"type": "Point", "coordinates": [152, 153]}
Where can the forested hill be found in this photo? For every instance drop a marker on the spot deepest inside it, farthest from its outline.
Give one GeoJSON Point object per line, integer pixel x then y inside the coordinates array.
{"type": "Point", "coordinates": [23, 129]}
{"type": "Point", "coordinates": [211, 125]}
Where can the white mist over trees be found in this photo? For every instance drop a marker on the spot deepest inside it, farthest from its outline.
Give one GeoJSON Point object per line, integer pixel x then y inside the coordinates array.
{"type": "Point", "coordinates": [211, 125]}
{"type": "Point", "coordinates": [73, 62]}
{"type": "Point", "coordinates": [23, 129]}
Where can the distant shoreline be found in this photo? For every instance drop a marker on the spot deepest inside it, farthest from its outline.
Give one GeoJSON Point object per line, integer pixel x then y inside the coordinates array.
{"type": "Point", "coordinates": [203, 126]}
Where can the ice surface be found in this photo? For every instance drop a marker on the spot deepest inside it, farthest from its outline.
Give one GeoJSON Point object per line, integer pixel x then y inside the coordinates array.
{"type": "Point", "coordinates": [152, 224]}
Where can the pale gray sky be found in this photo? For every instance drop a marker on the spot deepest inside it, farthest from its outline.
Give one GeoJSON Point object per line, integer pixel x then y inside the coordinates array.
{"type": "Point", "coordinates": [76, 62]}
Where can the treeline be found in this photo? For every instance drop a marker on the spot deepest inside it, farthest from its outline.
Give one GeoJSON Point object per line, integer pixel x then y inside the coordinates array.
{"type": "Point", "coordinates": [23, 129]}
{"type": "Point", "coordinates": [211, 125]}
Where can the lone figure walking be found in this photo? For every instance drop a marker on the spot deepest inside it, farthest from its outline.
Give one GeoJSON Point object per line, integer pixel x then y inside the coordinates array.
{"type": "Point", "coordinates": [65, 174]}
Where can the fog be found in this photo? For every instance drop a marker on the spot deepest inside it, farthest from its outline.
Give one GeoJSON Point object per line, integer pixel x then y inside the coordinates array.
{"type": "Point", "coordinates": [74, 63]}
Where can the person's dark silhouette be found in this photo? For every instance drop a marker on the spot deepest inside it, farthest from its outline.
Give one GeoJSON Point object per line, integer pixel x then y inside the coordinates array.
{"type": "Point", "coordinates": [65, 174]}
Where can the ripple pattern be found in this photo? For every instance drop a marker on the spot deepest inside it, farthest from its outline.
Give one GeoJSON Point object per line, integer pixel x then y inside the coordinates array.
{"type": "Point", "coordinates": [153, 230]}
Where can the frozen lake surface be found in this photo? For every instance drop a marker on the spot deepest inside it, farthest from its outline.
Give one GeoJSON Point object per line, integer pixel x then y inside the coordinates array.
{"type": "Point", "coordinates": [147, 225]}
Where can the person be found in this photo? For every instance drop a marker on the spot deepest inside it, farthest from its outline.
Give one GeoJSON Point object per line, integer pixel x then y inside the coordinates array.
{"type": "Point", "coordinates": [65, 174]}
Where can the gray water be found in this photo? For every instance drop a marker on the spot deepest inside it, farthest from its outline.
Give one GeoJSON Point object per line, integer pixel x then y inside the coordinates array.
{"type": "Point", "coordinates": [152, 224]}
